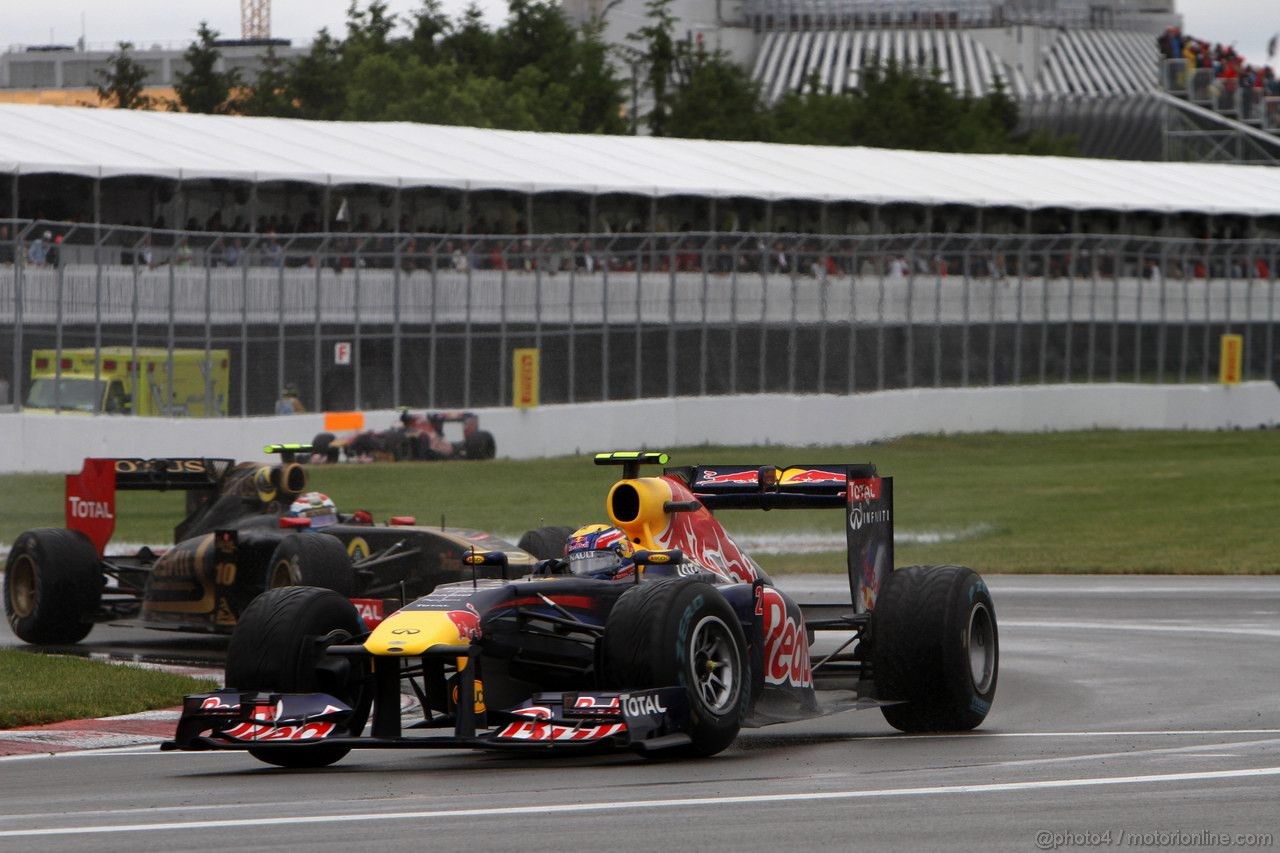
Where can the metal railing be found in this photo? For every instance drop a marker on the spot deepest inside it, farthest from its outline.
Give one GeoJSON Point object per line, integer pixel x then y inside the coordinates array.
{"type": "Point", "coordinates": [432, 320]}
{"type": "Point", "coordinates": [1227, 96]}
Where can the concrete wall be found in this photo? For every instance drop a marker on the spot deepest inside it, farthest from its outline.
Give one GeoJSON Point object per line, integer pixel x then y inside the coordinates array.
{"type": "Point", "coordinates": [60, 442]}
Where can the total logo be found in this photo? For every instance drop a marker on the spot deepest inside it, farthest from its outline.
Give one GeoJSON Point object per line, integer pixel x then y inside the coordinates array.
{"type": "Point", "coordinates": [89, 509]}
{"type": "Point", "coordinates": [864, 490]}
{"type": "Point", "coordinates": [636, 706]}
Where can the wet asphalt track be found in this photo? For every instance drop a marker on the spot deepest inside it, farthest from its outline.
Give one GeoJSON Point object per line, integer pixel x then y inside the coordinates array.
{"type": "Point", "coordinates": [1146, 708]}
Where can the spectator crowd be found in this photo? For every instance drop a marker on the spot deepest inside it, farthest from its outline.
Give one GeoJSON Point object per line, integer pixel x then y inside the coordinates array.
{"type": "Point", "coordinates": [1216, 73]}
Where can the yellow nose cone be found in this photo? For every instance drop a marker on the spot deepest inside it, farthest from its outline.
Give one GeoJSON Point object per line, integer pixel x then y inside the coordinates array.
{"type": "Point", "coordinates": [411, 632]}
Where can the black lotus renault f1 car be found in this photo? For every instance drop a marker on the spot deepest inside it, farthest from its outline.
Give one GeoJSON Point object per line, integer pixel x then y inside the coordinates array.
{"type": "Point", "coordinates": [234, 544]}
{"type": "Point", "coordinates": [696, 643]}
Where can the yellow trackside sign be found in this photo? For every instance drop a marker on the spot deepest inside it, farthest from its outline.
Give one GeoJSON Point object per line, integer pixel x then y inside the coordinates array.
{"type": "Point", "coordinates": [524, 392]}
{"type": "Point", "coordinates": [1231, 361]}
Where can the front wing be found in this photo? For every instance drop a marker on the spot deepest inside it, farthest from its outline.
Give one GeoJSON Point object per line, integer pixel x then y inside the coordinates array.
{"type": "Point", "coordinates": [639, 720]}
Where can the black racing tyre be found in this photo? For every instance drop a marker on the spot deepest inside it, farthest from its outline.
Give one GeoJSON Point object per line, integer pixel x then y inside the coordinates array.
{"type": "Point", "coordinates": [935, 645]}
{"type": "Point", "coordinates": [278, 646]}
{"type": "Point", "coordinates": [545, 543]}
{"type": "Point", "coordinates": [480, 445]}
{"type": "Point", "coordinates": [682, 633]}
{"type": "Point", "coordinates": [311, 559]}
{"type": "Point", "coordinates": [52, 586]}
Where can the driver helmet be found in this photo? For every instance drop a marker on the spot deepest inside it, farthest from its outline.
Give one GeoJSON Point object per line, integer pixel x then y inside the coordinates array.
{"type": "Point", "coordinates": [316, 506]}
{"type": "Point", "coordinates": [599, 551]}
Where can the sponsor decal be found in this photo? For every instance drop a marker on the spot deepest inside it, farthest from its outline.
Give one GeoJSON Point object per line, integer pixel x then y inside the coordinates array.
{"type": "Point", "coordinates": [811, 475]}
{"type": "Point", "coordinates": [266, 729]}
{"type": "Point", "coordinates": [467, 622]}
{"type": "Point", "coordinates": [358, 549]}
{"type": "Point", "coordinates": [370, 610]}
{"type": "Point", "coordinates": [859, 517]}
{"type": "Point", "coordinates": [89, 509]}
{"type": "Point", "coordinates": [704, 542]}
{"type": "Point", "coordinates": [638, 706]}
{"type": "Point", "coordinates": [538, 729]}
{"type": "Point", "coordinates": [864, 490]}
{"type": "Point", "coordinates": [217, 703]}
{"type": "Point", "coordinates": [477, 694]}
{"type": "Point", "coordinates": [593, 705]}
{"type": "Point", "coordinates": [709, 478]}
{"type": "Point", "coordinates": [161, 466]}
{"type": "Point", "coordinates": [786, 645]}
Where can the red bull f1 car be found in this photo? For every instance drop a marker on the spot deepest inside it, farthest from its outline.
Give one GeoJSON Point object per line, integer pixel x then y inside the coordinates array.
{"type": "Point", "coordinates": [235, 542]}
{"type": "Point", "coordinates": [673, 657]}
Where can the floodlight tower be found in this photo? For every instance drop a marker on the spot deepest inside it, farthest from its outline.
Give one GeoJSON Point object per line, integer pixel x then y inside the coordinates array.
{"type": "Point", "coordinates": [255, 19]}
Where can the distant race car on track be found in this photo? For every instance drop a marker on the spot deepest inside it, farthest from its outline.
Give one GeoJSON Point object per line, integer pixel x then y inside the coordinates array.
{"type": "Point", "coordinates": [654, 633]}
{"type": "Point", "coordinates": [419, 437]}
{"type": "Point", "coordinates": [240, 538]}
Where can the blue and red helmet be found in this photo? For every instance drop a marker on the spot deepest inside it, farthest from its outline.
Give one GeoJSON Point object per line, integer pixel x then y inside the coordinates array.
{"type": "Point", "coordinates": [599, 551]}
{"type": "Point", "coordinates": [316, 506]}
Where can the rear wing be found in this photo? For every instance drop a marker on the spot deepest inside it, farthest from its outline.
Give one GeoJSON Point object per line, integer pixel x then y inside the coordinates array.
{"type": "Point", "coordinates": [90, 496]}
{"type": "Point", "coordinates": [858, 489]}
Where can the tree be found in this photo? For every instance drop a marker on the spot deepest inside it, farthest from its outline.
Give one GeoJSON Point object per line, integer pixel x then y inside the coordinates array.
{"type": "Point", "coordinates": [204, 89]}
{"type": "Point", "coordinates": [123, 81]}
{"type": "Point", "coordinates": [317, 83]}
{"type": "Point", "coordinates": [655, 48]}
{"type": "Point", "coordinates": [717, 99]}
{"type": "Point", "coordinates": [269, 94]}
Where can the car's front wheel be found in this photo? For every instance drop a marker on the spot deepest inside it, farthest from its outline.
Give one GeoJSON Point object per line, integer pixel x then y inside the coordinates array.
{"type": "Point", "coordinates": [682, 633]}
{"type": "Point", "coordinates": [279, 646]}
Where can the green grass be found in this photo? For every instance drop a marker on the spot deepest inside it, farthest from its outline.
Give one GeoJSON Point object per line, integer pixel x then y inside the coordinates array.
{"type": "Point", "coordinates": [39, 689]}
{"type": "Point", "coordinates": [1167, 502]}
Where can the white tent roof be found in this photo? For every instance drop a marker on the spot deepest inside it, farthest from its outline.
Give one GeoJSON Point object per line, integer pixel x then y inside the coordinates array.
{"type": "Point", "coordinates": [109, 143]}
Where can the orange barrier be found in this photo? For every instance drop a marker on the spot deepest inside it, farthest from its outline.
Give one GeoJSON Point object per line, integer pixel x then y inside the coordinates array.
{"type": "Point", "coordinates": [340, 421]}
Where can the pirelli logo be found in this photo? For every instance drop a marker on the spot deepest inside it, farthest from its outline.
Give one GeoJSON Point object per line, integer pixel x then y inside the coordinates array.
{"type": "Point", "coordinates": [1231, 362]}
{"type": "Point", "coordinates": [524, 392]}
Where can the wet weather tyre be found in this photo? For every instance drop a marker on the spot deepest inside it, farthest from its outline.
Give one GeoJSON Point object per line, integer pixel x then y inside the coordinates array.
{"type": "Point", "coordinates": [935, 645]}
{"type": "Point", "coordinates": [682, 633]}
{"type": "Point", "coordinates": [545, 543]}
{"type": "Point", "coordinates": [52, 586]}
{"type": "Point", "coordinates": [480, 445]}
{"type": "Point", "coordinates": [279, 646]}
{"type": "Point", "coordinates": [311, 559]}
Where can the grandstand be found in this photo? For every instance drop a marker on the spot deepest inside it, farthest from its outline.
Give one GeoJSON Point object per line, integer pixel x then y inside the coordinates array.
{"type": "Point", "coordinates": [1084, 67]}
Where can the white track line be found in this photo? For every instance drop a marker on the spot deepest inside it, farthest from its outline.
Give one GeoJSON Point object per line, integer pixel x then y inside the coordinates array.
{"type": "Point", "coordinates": [695, 802]}
{"type": "Point", "coordinates": [1145, 627]}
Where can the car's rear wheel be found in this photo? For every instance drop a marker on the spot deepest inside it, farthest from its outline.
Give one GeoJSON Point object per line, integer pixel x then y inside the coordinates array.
{"type": "Point", "coordinates": [480, 445]}
{"type": "Point", "coordinates": [53, 586]}
{"type": "Point", "coordinates": [681, 633]}
{"type": "Point", "coordinates": [545, 543]}
{"type": "Point", "coordinates": [311, 559]}
{"type": "Point", "coordinates": [279, 646]}
{"type": "Point", "coordinates": [935, 645]}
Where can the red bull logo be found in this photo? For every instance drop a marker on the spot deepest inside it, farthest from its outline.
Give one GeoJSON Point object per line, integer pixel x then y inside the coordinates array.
{"type": "Point", "coordinates": [467, 623]}
{"type": "Point", "coordinates": [812, 475]}
{"type": "Point", "coordinates": [708, 478]}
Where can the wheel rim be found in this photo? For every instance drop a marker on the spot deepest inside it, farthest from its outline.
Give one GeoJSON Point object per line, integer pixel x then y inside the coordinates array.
{"type": "Point", "coordinates": [982, 648]}
{"type": "Point", "coordinates": [281, 575]}
{"type": "Point", "coordinates": [715, 665]}
{"type": "Point", "coordinates": [22, 586]}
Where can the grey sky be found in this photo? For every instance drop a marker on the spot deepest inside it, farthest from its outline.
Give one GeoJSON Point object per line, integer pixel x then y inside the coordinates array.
{"type": "Point", "coordinates": [1247, 23]}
